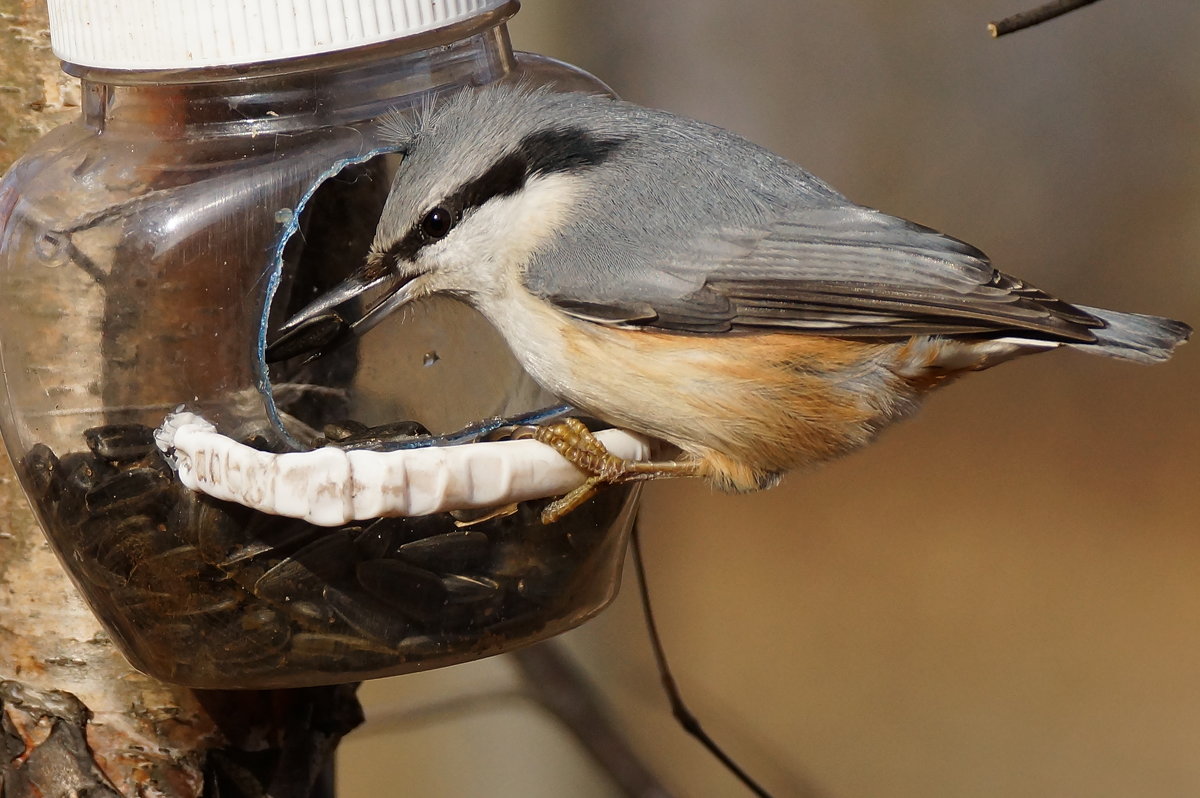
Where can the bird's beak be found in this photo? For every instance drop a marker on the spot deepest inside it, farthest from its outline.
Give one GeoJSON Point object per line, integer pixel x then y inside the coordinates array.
{"type": "Point", "coordinates": [338, 315]}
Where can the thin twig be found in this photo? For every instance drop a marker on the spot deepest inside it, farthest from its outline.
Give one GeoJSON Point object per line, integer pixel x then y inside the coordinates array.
{"type": "Point", "coordinates": [562, 689]}
{"type": "Point", "coordinates": [1035, 16]}
{"type": "Point", "coordinates": [686, 719]}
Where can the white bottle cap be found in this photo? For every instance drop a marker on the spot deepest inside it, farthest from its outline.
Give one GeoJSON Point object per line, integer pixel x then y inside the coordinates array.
{"type": "Point", "coordinates": [178, 34]}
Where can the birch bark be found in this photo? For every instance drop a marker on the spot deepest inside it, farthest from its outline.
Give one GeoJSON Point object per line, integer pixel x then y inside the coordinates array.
{"type": "Point", "coordinates": [75, 719]}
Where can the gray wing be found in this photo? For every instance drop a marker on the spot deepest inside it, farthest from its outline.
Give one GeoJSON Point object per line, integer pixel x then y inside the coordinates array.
{"type": "Point", "coordinates": [833, 269]}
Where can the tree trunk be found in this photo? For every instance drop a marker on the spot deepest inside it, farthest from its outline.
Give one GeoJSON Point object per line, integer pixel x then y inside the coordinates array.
{"type": "Point", "coordinates": [75, 719]}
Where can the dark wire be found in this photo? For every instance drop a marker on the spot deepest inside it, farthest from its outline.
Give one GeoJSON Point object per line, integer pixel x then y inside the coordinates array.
{"type": "Point", "coordinates": [682, 714]}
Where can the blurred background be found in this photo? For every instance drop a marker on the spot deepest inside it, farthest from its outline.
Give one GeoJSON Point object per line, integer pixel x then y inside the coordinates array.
{"type": "Point", "coordinates": [1000, 597]}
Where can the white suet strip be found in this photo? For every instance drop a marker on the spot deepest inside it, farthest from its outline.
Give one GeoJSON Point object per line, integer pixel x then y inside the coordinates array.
{"type": "Point", "coordinates": [331, 486]}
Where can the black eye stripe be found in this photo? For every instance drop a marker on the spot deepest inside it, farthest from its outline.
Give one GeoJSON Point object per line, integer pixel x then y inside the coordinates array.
{"type": "Point", "coordinates": [566, 149]}
{"type": "Point", "coordinates": [559, 150]}
{"type": "Point", "coordinates": [507, 176]}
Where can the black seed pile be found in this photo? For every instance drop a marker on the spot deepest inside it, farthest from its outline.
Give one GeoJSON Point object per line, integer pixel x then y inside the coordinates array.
{"type": "Point", "coordinates": [211, 594]}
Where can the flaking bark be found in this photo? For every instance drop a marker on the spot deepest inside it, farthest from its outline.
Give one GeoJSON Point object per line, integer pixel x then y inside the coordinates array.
{"type": "Point", "coordinates": [75, 719]}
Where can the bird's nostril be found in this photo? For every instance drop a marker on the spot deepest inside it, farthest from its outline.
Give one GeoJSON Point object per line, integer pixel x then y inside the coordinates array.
{"type": "Point", "coordinates": [311, 336]}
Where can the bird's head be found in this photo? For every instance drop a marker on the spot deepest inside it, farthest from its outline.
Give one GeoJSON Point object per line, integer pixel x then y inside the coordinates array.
{"type": "Point", "coordinates": [487, 178]}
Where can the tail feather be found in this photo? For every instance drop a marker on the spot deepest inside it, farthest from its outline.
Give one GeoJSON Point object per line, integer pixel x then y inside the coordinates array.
{"type": "Point", "coordinates": [1133, 336]}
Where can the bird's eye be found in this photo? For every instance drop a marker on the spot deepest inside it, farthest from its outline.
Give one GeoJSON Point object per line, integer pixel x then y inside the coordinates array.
{"type": "Point", "coordinates": [437, 223]}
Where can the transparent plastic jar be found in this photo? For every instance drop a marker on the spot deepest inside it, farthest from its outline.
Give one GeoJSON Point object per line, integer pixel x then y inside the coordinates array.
{"type": "Point", "coordinates": [137, 248]}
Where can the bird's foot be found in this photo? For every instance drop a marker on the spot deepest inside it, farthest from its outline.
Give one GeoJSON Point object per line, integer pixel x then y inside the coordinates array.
{"type": "Point", "coordinates": [575, 442]}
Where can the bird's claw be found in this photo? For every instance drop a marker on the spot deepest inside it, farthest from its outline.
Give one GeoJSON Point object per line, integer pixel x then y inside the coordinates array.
{"type": "Point", "coordinates": [576, 443]}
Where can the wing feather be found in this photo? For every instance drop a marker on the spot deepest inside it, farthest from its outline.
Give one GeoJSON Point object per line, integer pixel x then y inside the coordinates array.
{"type": "Point", "coordinates": [692, 229]}
{"type": "Point", "coordinates": [840, 270]}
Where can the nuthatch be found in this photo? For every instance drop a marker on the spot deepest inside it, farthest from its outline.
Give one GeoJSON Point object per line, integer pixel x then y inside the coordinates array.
{"type": "Point", "coordinates": [674, 279]}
